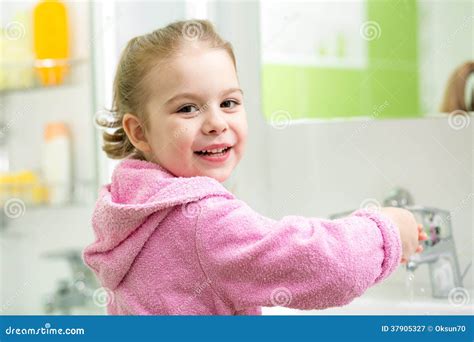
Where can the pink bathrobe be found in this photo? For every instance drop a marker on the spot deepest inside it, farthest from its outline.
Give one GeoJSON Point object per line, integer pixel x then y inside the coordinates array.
{"type": "Point", "coordinates": [169, 245]}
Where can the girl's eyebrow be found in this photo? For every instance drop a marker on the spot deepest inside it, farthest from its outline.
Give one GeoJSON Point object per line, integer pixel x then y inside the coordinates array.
{"type": "Point", "coordinates": [192, 96]}
{"type": "Point", "coordinates": [231, 90]}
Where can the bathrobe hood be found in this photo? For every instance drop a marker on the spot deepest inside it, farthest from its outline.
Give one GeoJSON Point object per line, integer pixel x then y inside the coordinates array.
{"type": "Point", "coordinates": [139, 191]}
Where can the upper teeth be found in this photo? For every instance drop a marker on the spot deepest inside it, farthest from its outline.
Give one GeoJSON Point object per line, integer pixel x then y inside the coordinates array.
{"type": "Point", "coordinates": [215, 150]}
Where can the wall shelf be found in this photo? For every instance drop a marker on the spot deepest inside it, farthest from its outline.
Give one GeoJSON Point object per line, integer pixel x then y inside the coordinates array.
{"type": "Point", "coordinates": [22, 76]}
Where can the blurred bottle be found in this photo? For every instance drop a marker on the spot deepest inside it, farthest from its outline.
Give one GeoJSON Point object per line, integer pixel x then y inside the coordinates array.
{"type": "Point", "coordinates": [24, 185]}
{"type": "Point", "coordinates": [51, 42]}
{"type": "Point", "coordinates": [56, 163]}
{"type": "Point", "coordinates": [16, 53]}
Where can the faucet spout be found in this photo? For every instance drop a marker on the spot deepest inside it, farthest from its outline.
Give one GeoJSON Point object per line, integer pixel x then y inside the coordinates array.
{"type": "Point", "coordinates": [419, 259]}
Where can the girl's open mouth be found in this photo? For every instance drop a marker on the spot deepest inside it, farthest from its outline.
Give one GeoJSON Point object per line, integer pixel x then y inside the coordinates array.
{"type": "Point", "coordinates": [217, 155]}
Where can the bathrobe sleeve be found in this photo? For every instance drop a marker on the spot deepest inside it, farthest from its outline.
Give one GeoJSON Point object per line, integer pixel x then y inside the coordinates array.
{"type": "Point", "coordinates": [297, 262]}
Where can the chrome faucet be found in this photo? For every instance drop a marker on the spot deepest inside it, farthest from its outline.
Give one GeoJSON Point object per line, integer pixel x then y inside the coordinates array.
{"type": "Point", "coordinates": [398, 197]}
{"type": "Point", "coordinates": [439, 249]}
{"type": "Point", "coordinates": [76, 292]}
{"type": "Point", "coordinates": [443, 266]}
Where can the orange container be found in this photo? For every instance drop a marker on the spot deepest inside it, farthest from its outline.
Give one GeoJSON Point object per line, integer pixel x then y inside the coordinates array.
{"type": "Point", "coordinates": [51, 41]}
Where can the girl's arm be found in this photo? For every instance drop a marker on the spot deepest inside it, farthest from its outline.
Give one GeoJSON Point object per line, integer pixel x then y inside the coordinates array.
{"type": "Point", "coordinates": [297, 262]}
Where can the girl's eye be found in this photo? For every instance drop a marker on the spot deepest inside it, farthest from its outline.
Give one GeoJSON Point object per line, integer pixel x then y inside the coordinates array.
{"type": "Point", "coordinates": [188, 109]}
{"type": "Point", "coordinates": [229, 104]}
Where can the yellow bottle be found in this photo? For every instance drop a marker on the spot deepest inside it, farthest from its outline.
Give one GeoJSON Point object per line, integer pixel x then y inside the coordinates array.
{"type": "Point", "coordinates": [51, 41]}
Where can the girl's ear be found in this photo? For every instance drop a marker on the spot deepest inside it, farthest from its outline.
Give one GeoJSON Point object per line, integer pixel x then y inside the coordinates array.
{"type": "Point", "coordinates": [135, 132]}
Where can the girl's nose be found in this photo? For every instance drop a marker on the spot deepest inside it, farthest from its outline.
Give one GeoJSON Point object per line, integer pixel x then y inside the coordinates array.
{"type": "Point", "coordinates": [214, 123]}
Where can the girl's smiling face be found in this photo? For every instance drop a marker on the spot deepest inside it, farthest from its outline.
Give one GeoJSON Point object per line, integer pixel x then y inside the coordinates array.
{"type": "Point", "coordinates": [195, 102]}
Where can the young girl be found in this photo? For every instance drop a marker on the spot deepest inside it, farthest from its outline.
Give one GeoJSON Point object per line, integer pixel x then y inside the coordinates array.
{"type": "Point", "coordinates": [170, 239]}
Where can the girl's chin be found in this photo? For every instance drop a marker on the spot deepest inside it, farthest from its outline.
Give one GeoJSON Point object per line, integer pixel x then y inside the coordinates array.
{"type": "Point", "coordinates": [219, 175]}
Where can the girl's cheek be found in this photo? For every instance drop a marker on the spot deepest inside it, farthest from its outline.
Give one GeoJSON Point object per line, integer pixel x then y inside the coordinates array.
{"type": "Point", "coordinates": [184, 137]}
{"type": "Point", "coordinates": [243, 127]}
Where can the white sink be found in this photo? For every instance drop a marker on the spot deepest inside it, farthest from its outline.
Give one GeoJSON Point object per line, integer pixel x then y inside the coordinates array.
{"type": "Point", "coordinates": [386, 300]}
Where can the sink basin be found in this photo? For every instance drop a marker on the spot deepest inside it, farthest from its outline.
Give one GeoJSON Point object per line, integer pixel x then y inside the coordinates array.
{"type": "Point", "coordinates": [385, 300]}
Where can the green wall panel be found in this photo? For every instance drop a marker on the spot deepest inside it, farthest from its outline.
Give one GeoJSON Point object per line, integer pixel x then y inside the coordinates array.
{"type": "Point", "coordinates": [390, 79]}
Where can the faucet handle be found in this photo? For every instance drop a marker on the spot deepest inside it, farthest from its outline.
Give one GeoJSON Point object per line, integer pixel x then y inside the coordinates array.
{"type": "Point", "coordinates": [398, 197]}
{"type": "Point", "coordinates": [436, 223]}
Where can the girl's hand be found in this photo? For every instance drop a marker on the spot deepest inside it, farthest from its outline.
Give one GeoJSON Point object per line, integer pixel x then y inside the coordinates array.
{"type": "Point", "coordinates": [411, 233]}
{"type": "Point", "coordinates": [421, 237]}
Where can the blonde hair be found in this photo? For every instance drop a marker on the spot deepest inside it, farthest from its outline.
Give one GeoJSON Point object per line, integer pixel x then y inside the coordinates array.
{"type": "Point", "coordinates": [455, 98]}
{"type": "Point", "coordinates": [142, 54]}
